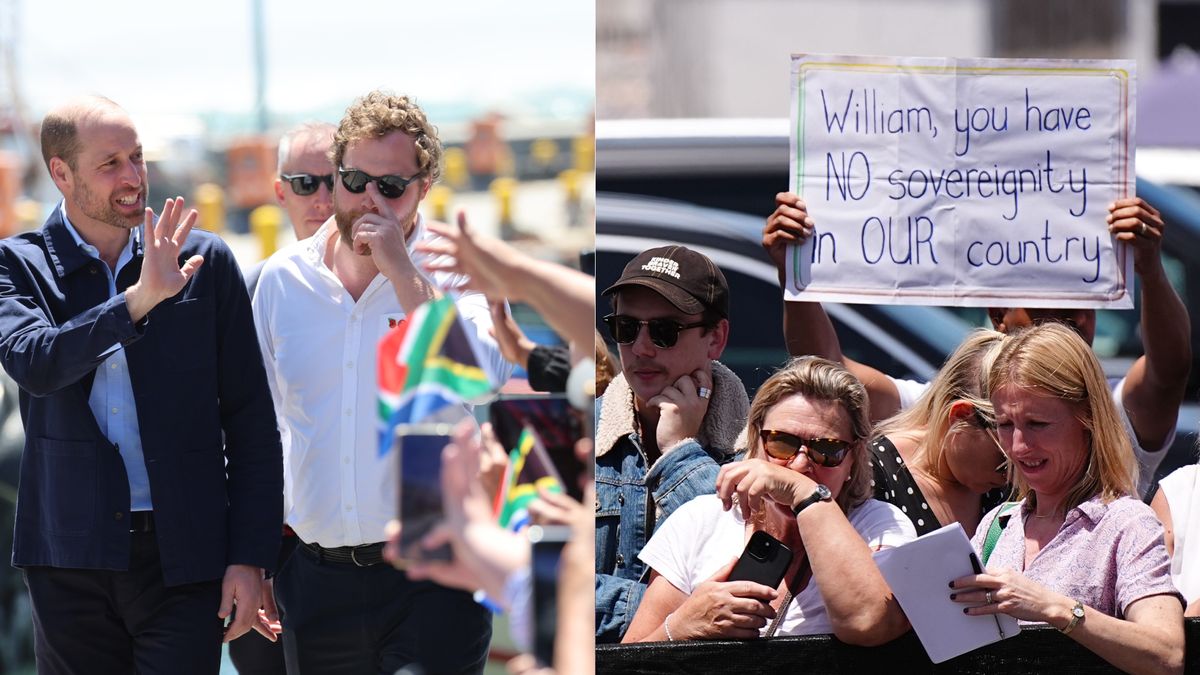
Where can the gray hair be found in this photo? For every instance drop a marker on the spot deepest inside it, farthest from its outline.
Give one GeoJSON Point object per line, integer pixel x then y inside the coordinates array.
{"type": "Point", "coordinates": [304, 129]}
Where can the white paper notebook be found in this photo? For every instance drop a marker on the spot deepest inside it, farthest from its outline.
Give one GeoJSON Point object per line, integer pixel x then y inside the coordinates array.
{"type": "Point", "coordinates": [920, 573]}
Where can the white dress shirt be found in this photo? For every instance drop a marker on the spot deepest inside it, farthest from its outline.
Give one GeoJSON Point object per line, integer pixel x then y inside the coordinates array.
{"type": "Point", "coordinates": [320, 346]}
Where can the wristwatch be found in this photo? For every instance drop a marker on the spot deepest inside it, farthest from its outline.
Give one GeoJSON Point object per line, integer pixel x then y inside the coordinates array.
{"type": "Point", "coordinates": [1076, 617]}
{"type": "Point", "coordinates": [821, 494]}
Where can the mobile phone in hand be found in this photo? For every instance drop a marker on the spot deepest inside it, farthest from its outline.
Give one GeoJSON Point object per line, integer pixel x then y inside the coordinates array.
{"type": "Point", "coordinates": [557, 427]}
{"type": "Point", "coordinates": [764, 561]}
{"type": "Point", "coordinates": [419, 449]}
{"type": "Point", "coordinates": [546, 544]}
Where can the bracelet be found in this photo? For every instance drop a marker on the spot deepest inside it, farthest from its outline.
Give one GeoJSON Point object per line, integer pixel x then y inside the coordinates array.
{"type": "Point", "coordinates": [667, 627]}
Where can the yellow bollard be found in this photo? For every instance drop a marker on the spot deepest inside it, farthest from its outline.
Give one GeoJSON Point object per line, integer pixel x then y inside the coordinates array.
{"type": "Point", "coordinates": [503, 189]}
{"type": "Point", "coordinates": [544, 152]}
{"type": "Point", "coordinates": [454, 168]}
{"type": "Point", "coordinates": [439, 202]}
{"type": "Point", "coordinates": [584, 148]}
{"type": "Point", "coordinates": [210, 205]}
{"type": "Point", "coordinates": [264, 223]}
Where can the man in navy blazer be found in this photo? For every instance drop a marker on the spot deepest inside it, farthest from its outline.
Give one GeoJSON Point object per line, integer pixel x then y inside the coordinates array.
{"type": "Point", "coordinates": [150, 497]}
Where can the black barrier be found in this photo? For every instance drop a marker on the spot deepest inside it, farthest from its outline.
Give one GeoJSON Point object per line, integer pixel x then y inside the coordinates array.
{"type": "Point", "coordinates": [1036, 650]}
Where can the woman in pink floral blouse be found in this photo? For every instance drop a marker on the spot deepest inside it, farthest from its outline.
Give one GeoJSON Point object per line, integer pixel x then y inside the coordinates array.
{"type": "Point", "coordinates": [1079, 551]}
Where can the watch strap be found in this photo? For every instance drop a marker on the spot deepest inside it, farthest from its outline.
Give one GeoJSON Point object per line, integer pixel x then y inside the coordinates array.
{"type": "Point", "coordinates": [819, 495]}
{"type": "Point", "coordinates": [1076, 616]}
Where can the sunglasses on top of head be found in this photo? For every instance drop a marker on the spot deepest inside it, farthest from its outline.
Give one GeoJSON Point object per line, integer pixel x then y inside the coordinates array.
{"type": "Point", "coordinates": [390, 186]}
{"type": "Point", "coordinates": [664, 333]}
{"type": "Point", "coordinates": [827, 452]}
{"type": "Point", "coordinates": [305, 184]}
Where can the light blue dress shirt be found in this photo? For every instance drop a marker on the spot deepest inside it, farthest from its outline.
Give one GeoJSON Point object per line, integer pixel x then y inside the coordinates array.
{"type": "Point", "coordinates": [112, 400]}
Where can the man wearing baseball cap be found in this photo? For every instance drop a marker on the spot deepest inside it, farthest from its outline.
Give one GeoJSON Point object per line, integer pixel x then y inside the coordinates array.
{"type": "Point", "coordinates": [666, 422]}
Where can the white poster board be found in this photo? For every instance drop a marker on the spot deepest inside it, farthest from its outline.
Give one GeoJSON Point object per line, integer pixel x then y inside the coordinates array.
{"type": "Point", "coordinates": [970, 182]}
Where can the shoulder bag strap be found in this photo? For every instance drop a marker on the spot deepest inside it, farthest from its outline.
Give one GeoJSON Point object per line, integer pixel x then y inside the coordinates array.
{"type": "Point", "coordinates": [993, 535]}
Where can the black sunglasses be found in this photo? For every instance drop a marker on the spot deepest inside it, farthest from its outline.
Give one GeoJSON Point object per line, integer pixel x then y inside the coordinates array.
{"type": "Point", "coordinates": [664, 333]}
{"type": "Point", "coordinates": [828, 452]}
{"type": "Point", "coordinates": [390, 186]}
{"type": "Point", "coordinates": [305, 184]}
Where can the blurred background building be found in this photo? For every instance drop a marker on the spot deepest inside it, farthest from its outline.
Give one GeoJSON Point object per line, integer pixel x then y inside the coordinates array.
{"type": "Point", "coordinates": [729, 58]}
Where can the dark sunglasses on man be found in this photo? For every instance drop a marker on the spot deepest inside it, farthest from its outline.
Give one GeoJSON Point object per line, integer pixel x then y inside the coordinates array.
{"type": "Point", "coordinates": [304, 184]}
{"type": "Point", "coordinates": [390, 186]}
{"type": "Point", "coordinates": [827, 452]}
{"type": "Point", "coordinates": [664, 333]}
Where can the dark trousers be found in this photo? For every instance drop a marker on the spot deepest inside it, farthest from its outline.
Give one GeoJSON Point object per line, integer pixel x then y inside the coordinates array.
{"type": "Point", "coordinates": [109, 622]}
{"type": "Point", "coordinates": [340, 618]}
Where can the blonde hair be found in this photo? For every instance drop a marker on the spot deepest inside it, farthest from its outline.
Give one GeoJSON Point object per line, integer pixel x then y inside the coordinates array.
{"type": "Point", "coordinates": [818, 379]}
{"type": "Point", "coordinates": [605, 370]}
{"type": "Point", "coordinates": [960, 379]}
{"type": "Point", "coordinates": [378, 114]}
{"type": "Point", "coordinates": [1053, 360]}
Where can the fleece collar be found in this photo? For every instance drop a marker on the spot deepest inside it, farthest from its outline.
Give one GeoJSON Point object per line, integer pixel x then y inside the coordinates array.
{"type": "Point", "coordinates": [722, 425]}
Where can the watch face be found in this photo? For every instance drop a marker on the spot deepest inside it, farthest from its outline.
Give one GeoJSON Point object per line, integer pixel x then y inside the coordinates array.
{"type": "Point", "coordinates": [1077, 611]}
{"type": "Point", "coordinates": [824, 492]}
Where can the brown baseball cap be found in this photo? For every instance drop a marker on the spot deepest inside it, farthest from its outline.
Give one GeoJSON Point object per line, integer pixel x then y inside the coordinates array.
{"type": "Point", "coordinates": [690, 281]}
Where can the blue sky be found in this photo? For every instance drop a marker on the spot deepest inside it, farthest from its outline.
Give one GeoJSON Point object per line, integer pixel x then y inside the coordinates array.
{"type": "Point", "coordinates": [167, 57]}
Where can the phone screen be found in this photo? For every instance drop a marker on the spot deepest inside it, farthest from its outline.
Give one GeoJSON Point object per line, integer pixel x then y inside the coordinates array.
{"type": "Point", "coordinates": [555, 423]}
{"type": "Point", "coordinates": [546, 543]}
{"type": "Point", "coordinates": [419, 448]}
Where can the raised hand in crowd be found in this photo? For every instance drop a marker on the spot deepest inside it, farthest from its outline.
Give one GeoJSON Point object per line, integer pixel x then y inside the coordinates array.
{"type": "Point", "coordinates": [514, 344]}
{"type": "Point", "coordinates": [789, 224]}
{"type": "Point", "coordinates": [563, 296]}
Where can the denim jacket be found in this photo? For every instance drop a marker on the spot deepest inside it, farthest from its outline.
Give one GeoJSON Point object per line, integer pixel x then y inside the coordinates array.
{"type": "Point", "coordinates": [624, 483]}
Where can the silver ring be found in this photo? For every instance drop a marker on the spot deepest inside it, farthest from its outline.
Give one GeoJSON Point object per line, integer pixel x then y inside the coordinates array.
{"type": "Point", "coordinates": [1143, 230]}
{"type": "Point", "coordinates": [704, 392]}
{"type": "Point", "coordinates": [988, 595]}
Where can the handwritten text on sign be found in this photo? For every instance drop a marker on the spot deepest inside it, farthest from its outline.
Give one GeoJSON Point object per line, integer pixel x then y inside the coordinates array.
{"type": "Point", "coordinates": [961, 182]}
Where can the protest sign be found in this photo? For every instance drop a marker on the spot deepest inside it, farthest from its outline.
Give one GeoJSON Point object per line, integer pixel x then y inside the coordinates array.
{"type": "Point", "coordinates": [971, 182]}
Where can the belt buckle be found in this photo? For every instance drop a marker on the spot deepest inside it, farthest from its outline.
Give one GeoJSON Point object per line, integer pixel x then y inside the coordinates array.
{"type": "Point", "coordinates": [354, 560]}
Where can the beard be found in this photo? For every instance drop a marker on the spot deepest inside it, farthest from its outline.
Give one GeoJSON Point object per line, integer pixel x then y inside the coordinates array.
{"type": "Point", "coordinates": [346, 219]}
{"type": "Point", "coordinates": [97, 208]}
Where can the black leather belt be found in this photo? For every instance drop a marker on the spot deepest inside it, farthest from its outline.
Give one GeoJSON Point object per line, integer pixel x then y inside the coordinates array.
{"type": "Point", "coordinates": [141, 521]}
{"type": "Point", "coordinates": [360, 556]}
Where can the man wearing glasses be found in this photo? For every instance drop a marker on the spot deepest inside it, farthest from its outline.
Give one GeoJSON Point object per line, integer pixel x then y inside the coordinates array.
{"type": "Point", "coordinates": [304, 188]}
{"type": "Point", "coordinates": [666, 422]}
{"type": "Point", "coordinates": [321, 307]}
